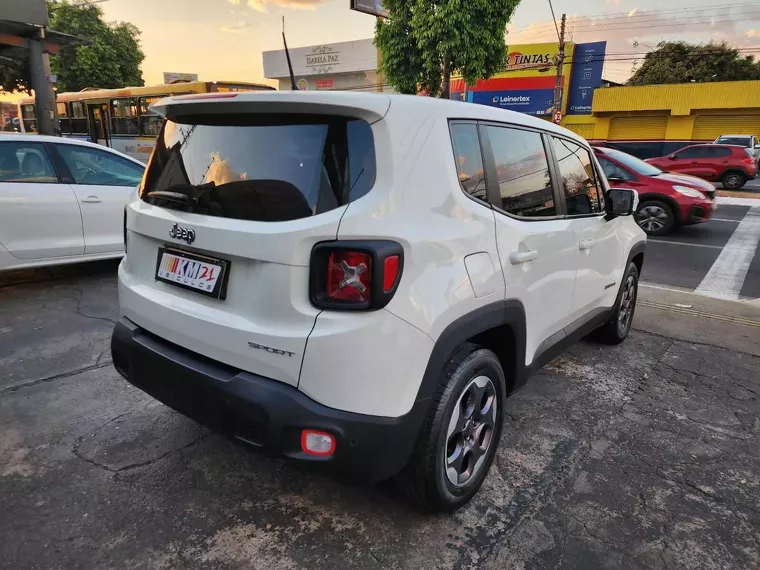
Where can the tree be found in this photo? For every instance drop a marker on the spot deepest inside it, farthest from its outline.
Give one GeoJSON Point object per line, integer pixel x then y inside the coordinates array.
{"type": "Point", "coordinates": [423, 42]}
{"type": "Point", "coordinates": [14, 75]}
{"type": "Point", "coordinates": [110, 59]}
{"type": "Point", "coordinates": [680, 62]}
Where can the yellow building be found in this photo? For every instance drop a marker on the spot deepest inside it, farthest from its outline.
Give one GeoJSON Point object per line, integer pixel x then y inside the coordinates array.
{"type": "Point", "coordinates": [655, 120]}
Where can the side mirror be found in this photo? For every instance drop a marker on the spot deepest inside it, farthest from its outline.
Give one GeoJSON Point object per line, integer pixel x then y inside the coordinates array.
{"type": "Point", "coordinates": [757, 146]}
{"type": "Point", "coordinates": [621, 202]}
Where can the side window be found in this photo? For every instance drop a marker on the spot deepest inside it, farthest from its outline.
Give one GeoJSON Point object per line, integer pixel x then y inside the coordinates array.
{"type": "Point", "coordinates": [469, 160]}
{"type": "Point", "coordinates": [611, 170]}
{"type": "Point", "coordinates": [583, 192]}
{"type": "Point", "coordinates": [78, 118]}
{"type": "Point", "coordinates": [522, 171]}
{"type": "Point", "coordinates": [124, 113]}
{"type": "Point", "coordinates": [150, 123]}
{"type": "Point", "coordinates": [692, 152]}
{"type": "Point", "coordinates": [62, 110]}
{"type": "Point", "coordinates": [25, 162]}
{"type": "Point", "coordinates": [92, 166]}
{"type": "Point", "coordinates": [29, 118]}
{"type": "Point", "coordinates": [718, 152]}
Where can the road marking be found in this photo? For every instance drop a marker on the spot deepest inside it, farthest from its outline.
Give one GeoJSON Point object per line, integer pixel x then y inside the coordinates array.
{"type": "Point", "coordinates": [687, 291]}
{"type": "Point", "coordinates": [726, 277]}
{"type": "Point", "coordinates": [724, 220]}
{"type": "Point", "coordinates": [653, 240]}
{"type": "Point", "coordinates": [696, 313]}
{"type": "Point", "coordinates": [728, 201]}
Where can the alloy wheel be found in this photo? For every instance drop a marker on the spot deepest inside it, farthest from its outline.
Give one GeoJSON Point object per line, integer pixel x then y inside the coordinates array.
{"type": "Point", "coordinates": [652, 218]}
{"type": "Point", "coordinates": [470, 432]}
{"type": "Point", "coordinates": [733, 181]}
{"type": "Point", "coordinates": [627, 305]}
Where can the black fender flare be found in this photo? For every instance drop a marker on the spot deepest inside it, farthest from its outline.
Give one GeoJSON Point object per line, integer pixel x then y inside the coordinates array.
{"type": "Point", "coordinates": [638, 248]}
{"type": "Point", "coordinates": [508, 312]}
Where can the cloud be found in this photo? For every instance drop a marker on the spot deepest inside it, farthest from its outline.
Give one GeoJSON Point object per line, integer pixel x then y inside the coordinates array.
{"type": "Point", "coordinates": [753, 34]}
{"type": "Point", "coordinates": [261, 5]}
{"type": "Point", "coordinates": [235, 2]}
{"type": "Point", "coordinates": [633, 12]}
{"type": "Point", "coordinates": [235, 28]}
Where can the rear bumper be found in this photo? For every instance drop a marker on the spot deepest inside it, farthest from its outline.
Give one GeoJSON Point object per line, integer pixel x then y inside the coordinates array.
{"type": "Point", "coordinates": [262, 412]}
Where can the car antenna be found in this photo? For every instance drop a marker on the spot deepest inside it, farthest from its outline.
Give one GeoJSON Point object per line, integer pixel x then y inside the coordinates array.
{"type": "Point", "coordinates": [287, 55]}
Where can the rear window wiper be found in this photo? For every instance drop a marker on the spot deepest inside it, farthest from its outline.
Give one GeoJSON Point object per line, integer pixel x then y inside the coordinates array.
{"type": "Point", "coordinates": [187, 195]}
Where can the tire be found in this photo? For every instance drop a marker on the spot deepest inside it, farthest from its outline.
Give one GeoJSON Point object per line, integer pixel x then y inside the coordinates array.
{"type": "Point", "coordinates": [733, 180]}
{"type": "Point", "coordinates": [655, 217]}
{"type": "Point", "coordinates": [617, 328]}
{"type": "Point", "coordinates": [436, 478]}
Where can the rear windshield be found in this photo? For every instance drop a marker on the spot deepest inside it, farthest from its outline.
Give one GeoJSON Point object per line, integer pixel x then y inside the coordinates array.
{"type": "Point", "coordinates": [738, 141]}
{"type": "Point", "coordinates": [260, 168]}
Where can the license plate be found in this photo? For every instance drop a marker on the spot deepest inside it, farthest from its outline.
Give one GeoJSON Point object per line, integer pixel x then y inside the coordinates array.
{"type": "Point", "coordinates": [205, 275]}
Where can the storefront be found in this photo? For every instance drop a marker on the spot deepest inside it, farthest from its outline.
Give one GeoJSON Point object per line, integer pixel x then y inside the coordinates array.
{"type": "Point", "coordinates": [344, 66]}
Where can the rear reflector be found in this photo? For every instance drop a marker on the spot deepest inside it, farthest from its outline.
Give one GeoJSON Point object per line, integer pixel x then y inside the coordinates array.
{"type": "Point", "coordinates": [390, 273]}
{"type": "Point", "coordinates": [318, 443]}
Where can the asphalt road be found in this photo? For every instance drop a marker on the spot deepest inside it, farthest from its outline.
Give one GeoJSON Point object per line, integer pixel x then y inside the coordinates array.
{"type": "Point", "coordinates": [645, 455]}
{"type": "Point", "coordinates": [684, 258]}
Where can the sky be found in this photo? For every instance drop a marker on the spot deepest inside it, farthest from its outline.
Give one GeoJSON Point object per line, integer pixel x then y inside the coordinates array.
{"type": "Point", "coordinates": [223, 39]}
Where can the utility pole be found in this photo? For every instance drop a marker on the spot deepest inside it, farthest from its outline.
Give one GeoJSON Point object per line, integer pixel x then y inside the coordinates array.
{"type": "Point", "coordinates": [557, 110]}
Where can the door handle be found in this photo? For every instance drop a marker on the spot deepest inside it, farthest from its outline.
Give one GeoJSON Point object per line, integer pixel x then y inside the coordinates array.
{"type": "Point", "coordinates": [91, 200]}
{"type": "Point", "coordinates": [586, 244]}
{"type": "Point", "coordinates": [518, 257]}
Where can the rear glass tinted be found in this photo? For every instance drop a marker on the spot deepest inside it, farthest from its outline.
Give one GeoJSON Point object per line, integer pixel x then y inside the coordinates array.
{"type": "Point", "coordinates": [738, 141]}
{"type": "Point", "coordinates": [261, 168]}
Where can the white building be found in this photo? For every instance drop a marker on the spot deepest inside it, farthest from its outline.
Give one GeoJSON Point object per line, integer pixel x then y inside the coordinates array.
{"type": "Point", "coordinates": [340, 66]}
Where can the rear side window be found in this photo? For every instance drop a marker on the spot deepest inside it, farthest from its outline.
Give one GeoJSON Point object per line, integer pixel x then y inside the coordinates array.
{"type": "Point", "coordinates": [583, 192]}
{"type": "Point", "coordinates": [261, 168]}
{"type": "Point", "coordinates": [691, 152]}
{"type": "Point", "coordinates": [716, 152]}
{"type": "Point", "coordinates": [469, 161]}
{"type": "Point", "coordinates": [25, 162]}
{"type": "Point", "coordinates": [522, 171]}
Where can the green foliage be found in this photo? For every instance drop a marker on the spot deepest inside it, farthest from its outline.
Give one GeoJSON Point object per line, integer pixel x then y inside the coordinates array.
{"type": "Point", "coordinates": [14, 76]}
{"type": "Point", "coordinates": [424, 42]}
{"type": "Point", "coordinates": [112, 57]}
{"type": "Point", "coordinates": [679, 62]}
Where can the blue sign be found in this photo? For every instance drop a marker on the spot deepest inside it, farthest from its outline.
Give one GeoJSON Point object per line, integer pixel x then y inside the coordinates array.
{"type": "Point", "coordinates": [529, 101]}
{"type": "Point", "coordinates": [586, 76]}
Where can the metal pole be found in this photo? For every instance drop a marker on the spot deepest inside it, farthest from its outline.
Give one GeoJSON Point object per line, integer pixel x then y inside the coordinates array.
{"type": "Point", "coordinates": [43, 100]}
{"type": "Point", "coordinates": [560, 61]}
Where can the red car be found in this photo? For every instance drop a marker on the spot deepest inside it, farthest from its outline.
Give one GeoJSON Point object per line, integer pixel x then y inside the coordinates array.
{"type": "Point", "coordinates": [732, 165]}
{"type": "Point", "coordinates": [666, 200]}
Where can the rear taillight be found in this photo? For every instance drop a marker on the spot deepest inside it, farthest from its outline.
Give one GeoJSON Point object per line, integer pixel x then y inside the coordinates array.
{"type": "Point", "coordinates": [355, 275]}
{"type": "Point", "coordinates": [349, 276]}
{"type": "Point", "coordinates": [748, 160]}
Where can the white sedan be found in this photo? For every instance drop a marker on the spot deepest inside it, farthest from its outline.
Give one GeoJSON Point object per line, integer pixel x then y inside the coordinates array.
{"type": "Point", "coordinates": [62, 200]}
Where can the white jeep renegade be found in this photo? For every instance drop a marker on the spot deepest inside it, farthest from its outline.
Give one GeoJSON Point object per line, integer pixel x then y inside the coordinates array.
{"type": "Point", "coordinates": [358, 281]}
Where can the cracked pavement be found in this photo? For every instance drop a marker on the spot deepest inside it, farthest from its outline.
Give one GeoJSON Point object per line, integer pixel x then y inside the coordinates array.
{"type": "Point", "coordinates": [645, 455]}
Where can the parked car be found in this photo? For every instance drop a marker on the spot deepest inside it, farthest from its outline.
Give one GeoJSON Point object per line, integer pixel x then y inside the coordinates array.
{"type": "Point", "coordinates": [62, 200]}
{"type": "Point", "coordinates": [729, 164]}
{"type": "Point", "coordinates": [749, 142]}
{"type": "Point", "coordinates": [359, 281]}
{"type": "Point", "coordinates": [666, 201]}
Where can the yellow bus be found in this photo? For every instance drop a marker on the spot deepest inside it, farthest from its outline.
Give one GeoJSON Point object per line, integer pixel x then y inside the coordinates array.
{"type": "Point", "coordinates": [120, 118]}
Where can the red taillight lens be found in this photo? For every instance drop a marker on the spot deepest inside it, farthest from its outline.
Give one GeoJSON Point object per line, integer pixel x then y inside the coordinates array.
{"type": "Point", "coordinates": [349, 276]}
{"type": "Point", "coordinates": [749, 160]}
{"type": "Point", "coordinates": [390, 273]}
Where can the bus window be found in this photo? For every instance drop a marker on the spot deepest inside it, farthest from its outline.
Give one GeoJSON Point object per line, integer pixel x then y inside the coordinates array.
{"type": "Point", "coordinates": [29, 118]}
{"type": "Point", "coordinates": [78, 118]}
{"type": "Point", "coordinates": [150, 124]}
{"type": "Point", "coordinates": [62, 110]}
{"type": "Point", "coordinates": [124, 113]}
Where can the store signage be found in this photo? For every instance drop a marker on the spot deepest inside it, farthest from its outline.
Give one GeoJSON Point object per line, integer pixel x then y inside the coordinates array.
{"type": "Point", "coordinates": [322, 59]}
{"type": "Point", "coordinates": [325, 83]}
{"type": "Point", "coordinates": [170, 77]}
{"type": "Point", "coordinates": [371, 7]}
{"type": "Point", "coordinates": [518, 60]}
{"type": "Point", "coordinates": [586, 76]}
